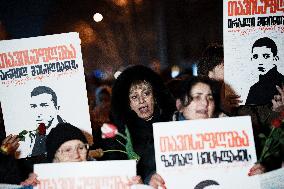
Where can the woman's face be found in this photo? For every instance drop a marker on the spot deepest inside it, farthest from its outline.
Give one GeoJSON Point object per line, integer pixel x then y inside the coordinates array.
{"type": "Point", "coordinates": [141, 100]}
{"type": "Point", "coordinates": [202, 105]}
{"type": "Point", "coordinates": [71, 151]}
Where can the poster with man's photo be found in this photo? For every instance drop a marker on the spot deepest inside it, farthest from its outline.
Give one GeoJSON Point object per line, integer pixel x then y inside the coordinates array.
{"type": "Point", "coordinates": [209, 153]}
{"type": "Point", "coordinates": [254, 49]}
{"type": "Point", "coordinates": [42, 84]}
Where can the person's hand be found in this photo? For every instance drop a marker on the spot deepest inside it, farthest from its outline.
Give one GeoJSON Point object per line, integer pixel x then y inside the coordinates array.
{"type": "Point", "coordinates": [10, 144]}
{"type": "Point", "coordinates": [257, 169]}
{"type": "Point", "coordinates": [135, 180]}
{"type": "Point", "coordinates": [278, 100]}
{"type": "Point", "coordinates": [157, 181]}
{"type": "Point", "coordinates": [31, 181]}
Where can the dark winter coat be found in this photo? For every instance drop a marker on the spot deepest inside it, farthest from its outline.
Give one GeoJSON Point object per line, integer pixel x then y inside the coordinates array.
{"type": "Point", "coordinates": [141, 131]}
{"type": "Point", "coordinates": [263, 91]}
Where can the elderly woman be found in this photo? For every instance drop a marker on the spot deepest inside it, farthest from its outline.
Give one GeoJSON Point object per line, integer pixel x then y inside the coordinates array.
{"type": "Point", "coordinates": [198, 99]}
{"type": "Point", "coordinates": [66, 143]}
{"type": "Point", "coordinates": [139, 99]}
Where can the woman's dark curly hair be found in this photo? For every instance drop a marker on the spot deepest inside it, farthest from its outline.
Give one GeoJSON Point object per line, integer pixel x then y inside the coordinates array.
{"type": "Point", "coordinates": [186, 87]}
{"type": "Point", "coordinates": [120, 106]}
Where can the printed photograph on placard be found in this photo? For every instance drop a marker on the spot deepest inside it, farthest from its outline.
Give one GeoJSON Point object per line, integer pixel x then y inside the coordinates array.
{"type": "Point", "coordinates": [254, 49]}
{"type": "Point", "coordinates": [42, 84]}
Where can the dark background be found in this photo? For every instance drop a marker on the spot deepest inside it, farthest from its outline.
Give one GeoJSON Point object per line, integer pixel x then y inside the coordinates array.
{"type": "Point", "coordinates": [170, 32]}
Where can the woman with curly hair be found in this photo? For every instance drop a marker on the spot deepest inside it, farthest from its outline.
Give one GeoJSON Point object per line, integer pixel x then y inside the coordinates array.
{"type": "Point", "coordinates": [139, 99]}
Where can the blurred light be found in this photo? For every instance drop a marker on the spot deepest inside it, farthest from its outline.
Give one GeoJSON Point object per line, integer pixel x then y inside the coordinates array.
{"type": "Point", "coordinates": [175, 71]}
{"type": "Point", "coordinates": [194, 69]}
{"type": "Point", "coordinates": [138, 1]}
{"type": "Point", "coordinates": [120, 3]}
{"type": "Point", "coordinates": [87, 34]}
{"type": "Point", "coordinates": [116, 74]}
{"type": "Point", "coordinates": [98, 17]}
{"type": "Point", "coordinates": [99, 74]}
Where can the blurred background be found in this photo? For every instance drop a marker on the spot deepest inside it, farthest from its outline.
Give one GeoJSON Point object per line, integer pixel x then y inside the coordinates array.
{"type": "Point", "coordinates": [167, 35]}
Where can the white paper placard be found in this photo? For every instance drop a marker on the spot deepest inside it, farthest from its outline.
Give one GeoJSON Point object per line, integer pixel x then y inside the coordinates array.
{"type": "Point", "coordinates": [214, 152]}
{"type": "Point", "coordinates": [53, 61]}
{"type": "Point", "coordinates": [86, 175]}
{"type": "Point", "coordinates": [244, 22]}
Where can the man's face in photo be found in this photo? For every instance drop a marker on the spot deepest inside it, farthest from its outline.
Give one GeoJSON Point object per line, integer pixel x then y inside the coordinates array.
{"type": "Point", "coordinates": [263, 57]}
{"type": "Point", "coordinates": [43, 108]}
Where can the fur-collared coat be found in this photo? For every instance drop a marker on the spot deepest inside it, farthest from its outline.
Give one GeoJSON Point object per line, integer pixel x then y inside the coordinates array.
{"type": "Point", "coordinates": [141, 131]}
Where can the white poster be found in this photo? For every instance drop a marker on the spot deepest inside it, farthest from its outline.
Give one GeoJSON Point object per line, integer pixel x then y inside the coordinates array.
{"type": "Point", "coordinates": [86, 175]}
{"type": "Point", "coordinates": [272, 179]}
{"type": "Point", "coordinates": [254, 48]}
{"type": "Point", "coordinates": [42, 83]}
{"type": "Point", "coordinates": [214, 152]}
{"type": "Point", "coordinates": [269, 180]}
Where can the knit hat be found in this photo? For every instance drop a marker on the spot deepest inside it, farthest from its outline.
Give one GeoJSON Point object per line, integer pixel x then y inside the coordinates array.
{"type": "Point", "coordinates": [63, 132]}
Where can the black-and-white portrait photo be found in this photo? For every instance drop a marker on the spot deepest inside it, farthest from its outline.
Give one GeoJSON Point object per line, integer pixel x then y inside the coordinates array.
{"type": "Point", "coordinates": [264, 56]}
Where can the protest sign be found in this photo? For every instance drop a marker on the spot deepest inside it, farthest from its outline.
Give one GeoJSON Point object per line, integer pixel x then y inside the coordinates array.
{"type": "Point", "coordinates": [272, 179]}
{"type": "Point", "coordinates": [211, 152]}
{"type": "Point", "coordinates": [253, 48]}
{"type": "Point", "coordinates": [269, 180]}
{"type": "Point", "coordinates": [42, 83]}
{"type": "Point", "coordinates": [90, 174]}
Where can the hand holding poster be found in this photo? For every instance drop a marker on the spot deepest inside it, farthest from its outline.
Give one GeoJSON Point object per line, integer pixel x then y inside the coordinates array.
{"type": "Point", "coordinates": [199, 153]}
{"type": "Point", "coordinates": [254, 48]}
{"type": "Point", "coordinates": [91, 174]}
{"type": "Point", "coordinates": [42, 84]}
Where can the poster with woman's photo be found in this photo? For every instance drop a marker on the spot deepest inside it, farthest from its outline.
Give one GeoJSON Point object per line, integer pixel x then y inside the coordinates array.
{"type": "Point", "coordinates": [42, 84]}
{"type": "Point", "coordinates": [254, 48]}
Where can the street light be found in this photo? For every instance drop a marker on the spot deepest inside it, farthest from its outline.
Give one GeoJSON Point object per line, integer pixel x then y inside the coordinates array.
{"type": "Point", "coordinates": [98, 17]}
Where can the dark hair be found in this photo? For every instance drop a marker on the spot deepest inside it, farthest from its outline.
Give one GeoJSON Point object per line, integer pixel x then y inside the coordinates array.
{"type": "Point", "coordinates": [42, 90]}
{"type": "Point", "coordinates": [187, 85]}
{"type": "Point", "coordinates": [120, 105]}
{"type": "Point", "coordinates": [211, 57]}
{"type": "Point", "coordinates": [267, 42]}
{"type": "Point", "coordinates": [174, 86]}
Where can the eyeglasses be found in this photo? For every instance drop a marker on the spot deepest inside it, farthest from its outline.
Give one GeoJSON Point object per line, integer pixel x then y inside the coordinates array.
{"type": "Point", "coordinates": [69, 150]}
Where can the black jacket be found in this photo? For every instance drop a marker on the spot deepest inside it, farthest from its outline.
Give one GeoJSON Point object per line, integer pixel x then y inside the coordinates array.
{"type": "Point", "coordinates": [141, 131]}
{"type": "Point", "coordinates": [263, 91]}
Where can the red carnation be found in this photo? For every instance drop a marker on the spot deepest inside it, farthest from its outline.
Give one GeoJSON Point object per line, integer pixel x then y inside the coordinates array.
{"type": "Point", "coordinates": [41, 129]}
{"type": "Point", "coordinates": [276, 123]}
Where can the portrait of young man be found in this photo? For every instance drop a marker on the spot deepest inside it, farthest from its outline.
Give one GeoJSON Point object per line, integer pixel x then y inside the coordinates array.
{"type": "Point", "coordinates": [264, 56]}
{"type": "Point", "coordinates": [45, 111]}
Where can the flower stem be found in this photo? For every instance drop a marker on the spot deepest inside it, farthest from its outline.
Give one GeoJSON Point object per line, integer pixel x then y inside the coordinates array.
{"type": "Point", "coordinates": [119, 134]}
{"type": "Point", "coordinates": [266, 147]}
{"type": "Point", "coordinates": [120, 142]}
{"type": "Point", "coordinates": [115, 151]}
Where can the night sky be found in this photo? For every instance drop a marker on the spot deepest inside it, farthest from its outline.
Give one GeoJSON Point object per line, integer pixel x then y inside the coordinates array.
{"type": "Point", "coordinates": [171, 31]}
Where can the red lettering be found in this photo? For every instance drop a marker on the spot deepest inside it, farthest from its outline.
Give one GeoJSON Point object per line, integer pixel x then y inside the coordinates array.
{"type": "Point", "coordinates": [253, 7]}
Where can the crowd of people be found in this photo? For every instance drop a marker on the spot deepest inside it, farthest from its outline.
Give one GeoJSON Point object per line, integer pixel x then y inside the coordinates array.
{"type": "Point", "coordinates": [138, 98]}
